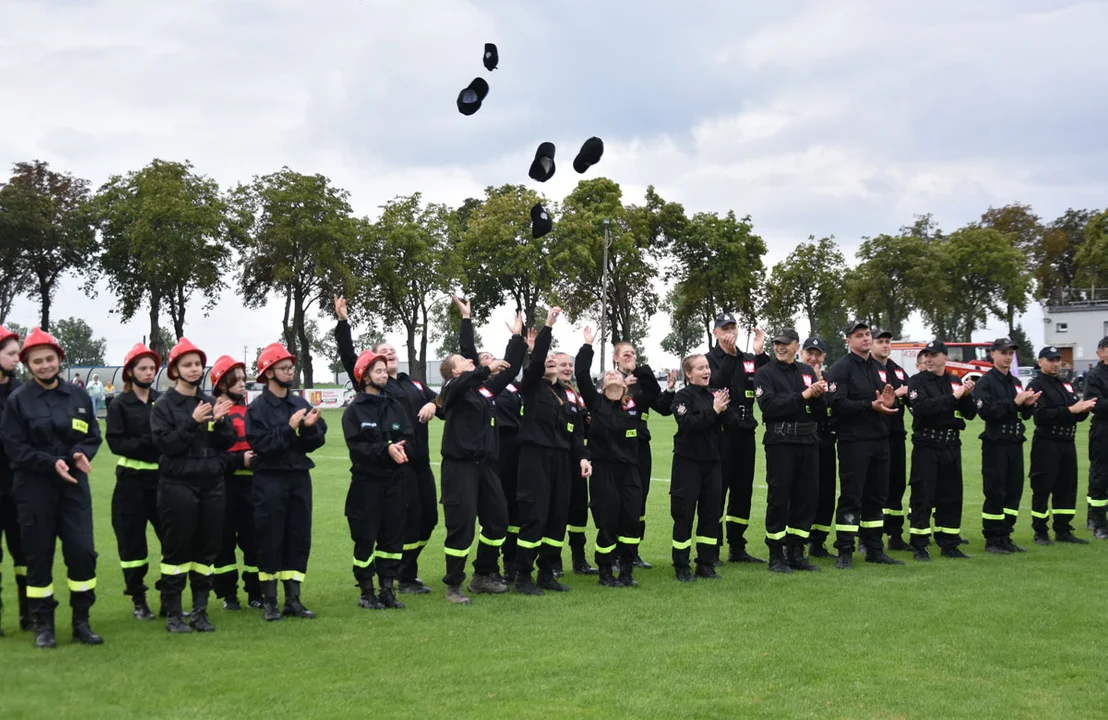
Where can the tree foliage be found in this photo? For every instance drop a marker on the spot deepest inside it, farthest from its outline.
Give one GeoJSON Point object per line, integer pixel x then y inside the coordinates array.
{"type": "Point", "coordinates": [810, 283]}
{"type": "Point", "coordinates": [685, 331]}
{"type": "Point", "coordinates": [81, 348]}
{"type": "Point", "coordinates": [1057, 269]}
{"type": "Point", "coordinates": [884, 287]}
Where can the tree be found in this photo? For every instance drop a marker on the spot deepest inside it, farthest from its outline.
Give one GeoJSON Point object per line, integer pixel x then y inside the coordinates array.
{"type": "Point", "coordinates": [810, 282]}
{"type": "Point", "coordinates": [47, 216]}
{"type": "Point", "coordinates": [685, 331]}
{"type": "Point", "coordinates": [499, 260]}
{"type": "Point", "coordinates": [12, 282]}
{"type": "Point", "coordinates": [81, 348]}
{"type": "Point", "coordinates": [1092, 258]}
{"type": "Point", "coordinates": [885, 286]}
{"type": "Point", "coordinates": [1024, 231]}
{"type": "Point", "coordinates": [1056, 271]}
{"type": "Point", "coordinates": [298, 240]}
{"type": "Point", "coordinates": [406, 270]}
{"type": "Point", "coordinates": [163, 236]}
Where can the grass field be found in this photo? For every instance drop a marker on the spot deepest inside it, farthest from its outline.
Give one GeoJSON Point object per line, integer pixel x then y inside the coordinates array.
{"type": "Point", "coordinates": [991, 637]}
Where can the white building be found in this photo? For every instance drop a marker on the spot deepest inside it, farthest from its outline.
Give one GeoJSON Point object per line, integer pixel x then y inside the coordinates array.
{"type": "Point", "coordinates": [1076, 328]}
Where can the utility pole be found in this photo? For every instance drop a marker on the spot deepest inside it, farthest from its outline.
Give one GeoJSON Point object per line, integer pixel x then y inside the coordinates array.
{"type": "Point", "coordinates": [604, 302]}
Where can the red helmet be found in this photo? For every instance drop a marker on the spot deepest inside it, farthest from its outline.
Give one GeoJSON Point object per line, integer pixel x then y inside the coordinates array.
{"type": "Point", "coordinates": [223, 365]}
{"type": "Point", "coordinates": [273, 354]}
{"type": "Point", "coordinates": [135, 354]}
{"type": "Point", "coordinates": [183, 347]}
{"type": "Point", "coordinates": [365, 361]}
{"type": "Point", "coordinates": [6, 335]}
{"type": "Point", "coordinates": [38, 338]}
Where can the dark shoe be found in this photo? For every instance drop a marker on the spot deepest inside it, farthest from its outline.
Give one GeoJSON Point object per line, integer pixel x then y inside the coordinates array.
{"type": "Point", "coordinates": [524, 586]}
{"type": "Point", "coordinates": [175, 623]}
{"type": "Point", "coordinates": [557, 572]}
{"type": "Point", "coordinates": [415, 587]}
{"type": "Point", "coordinates": [1090, 523]}
{"type": "Point", "coordinates": [1012, 547]}
{"type": "Point", "coordinates": [707, 572]}
{"type": "Point", "coordinates": [717, 563]}
{"type": "Point", "coordinates": [1101, 533]}
{"type": "Point", "coordinates": [997, 546]}
{"type": "Point", "coordinates": [198, 621]}
{"type": "Point", "coordinates": [369, 601]}
{"type": "Point", "coordinates": [607, 579]}
{"type": "Point", "coordinates": [921, 555]}
{"type": "Point", "coordinates": [817, 550]}
{"type": "Point", "coordinates": [640, 563]}
{"type": "Point", "coordinates": [83, 634]}
{"type": "Point", "coordinates": [896, 542]}
{"type": "Point", "coordinates": [455, 595]}
{"type": "Point", "coordinates": [1043, 539]}
{"type": "Point", "coordinates": [845, 560]}
{"type": "Point", "coordinates": [742, 556]}
{"type": "Point", "coordinates": [388, 598]}
{"type": "Point", "coordinates": [142, 610]}
{"type": "Point", "coordinates": [777, 561]}
{"type": "Point", "coordinates": [231, 602]}
{"type": "Point", "coordinates": [1069, 537]}
{"type": "Point", "coordinates": [44, 631]}
{"type": "Point", "coordinates": [685, 574]}
{"type": "Point", "coordinates": [962, 541]}
{"type": "Point", "coordinates": [270, 611]}
{"type": "Point", "coordinates": [879, 557]}
{"type": "Point", "coordinates": [582, 567]}
{"type": "Point", "coordinates": [484, 584]}
{"type": "Point", "coordinates": [549, 581]}
{"type": "Point", "coordinates": [293, 606]}
{"type": "Point", "coordinates": [795, 556]}
{"type": "Point", "coordinates": [254, 602]}
{"type": "Point", "coordinates": [953, 552]}
{"type": "Point", "coordinates": [509, 576]}
{"type": "Point", "coordinates": [626, 577]}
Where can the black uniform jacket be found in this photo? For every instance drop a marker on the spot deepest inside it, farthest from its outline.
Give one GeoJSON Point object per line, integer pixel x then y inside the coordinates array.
{"type": "Point", "coordinates": [5, 469]}
{"type": "Point", "coordinates": [736, 373]}
{"type": "Point", "coordinates": [699, 427]}
{"type": "Point", "coordinates": [647, 387]}
{"type": "Point", "coordinates": [894, 375]}
{"type": "Point", "coordinates": [545, 421]}
{"type": "Point", "coordinates": [1096, 386]}
{"type": "Point", "coordinates": [995, 396]}
{"type": "Point", "coordinates": [509, 405]}
{"type": "Point", "coordinates": [614, 425]}
{"type": "Point", "coordinates": [934, 407]}
{"type": "Point", "coordinates": [1052, 410]}
{"type": "Point", "coordinates": [370, 424]}
{"type": "Point", "coordinates": [276, 445]}
{"type": "Point", "coordinates": [779, 389]}
{"type": "Point", "coordinates": [128, 432]}
{"type": "Point", "coordinates": [852, 384]}
{"type": "Point", "coordinates": [191, 452]}
{"type": "Point", "coordinates": [577, 421]}
{"type": "Point", "coordinates": [42, 426]}
{"type": "Point", "coordinates": [469, 402]}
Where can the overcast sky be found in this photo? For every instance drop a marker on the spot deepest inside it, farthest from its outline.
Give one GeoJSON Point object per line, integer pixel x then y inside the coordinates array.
{"type": "Point", "coordinates": [815, 118]}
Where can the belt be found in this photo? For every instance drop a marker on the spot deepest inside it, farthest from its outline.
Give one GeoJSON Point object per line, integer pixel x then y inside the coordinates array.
{"type": "Point", "coordinates": [1011, 430]}
{"type": "Point", "coordinates": [793, 428]}
{"type": "Point", "coordinates": [1066, 432]}
{"type": "Point", "coordinates": [137, 464]}
{"type": "Point", "coordinates": [940, 436]}
{"type": "Point", "coordinates": [741, 411]}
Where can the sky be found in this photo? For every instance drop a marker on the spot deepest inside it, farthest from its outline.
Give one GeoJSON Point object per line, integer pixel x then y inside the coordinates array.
{"type": "Point", "coordinates": [814, 118]}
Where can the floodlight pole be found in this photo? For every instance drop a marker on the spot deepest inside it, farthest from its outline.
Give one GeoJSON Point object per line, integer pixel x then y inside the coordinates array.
{"type": "Point", "coordinates": [604, 301]}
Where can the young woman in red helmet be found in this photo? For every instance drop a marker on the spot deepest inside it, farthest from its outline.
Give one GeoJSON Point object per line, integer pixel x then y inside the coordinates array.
{"type": "Point", "coordinates": [282, 428]}
{"type": "Point", "coordinates": [228, 377]}
{"type": "Point", "coordinates": [9, 518]}
{"type": "Point", "coordinates": [192, 431]}
{"type": "Point", "coordinates": [50, 436]}
{"type": "Point", "coordinates": [377, 429]}
{"type": "Point", "coordinates": [135, 500]}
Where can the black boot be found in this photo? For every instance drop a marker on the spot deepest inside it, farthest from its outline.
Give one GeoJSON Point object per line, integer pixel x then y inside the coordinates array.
{"type": "Point", "coordinates": [1067, 536]}
{"type": "Point", "coordinates": [44, 628]}
{"type": "Point", "coordinates": [141, 610]}
{"type": "Point", "coordinates": [796, 559]}
{"type": "Point", "coordinates": [607, 579]}
{"type": "Point", "coordinates": [878, 557]}
{"type": "Point", "coordinates": [269, 601]}
{"type": "Point", "coordinates": [231, 602]}
{"type": "Point", "coordinates": [388, 597]}
{"type": "Point", "coordinates": [626, 573]}
{"type": "Point", "coordinates": [997, 546]}
{"type": "Point", "coordinates": [684, 574]}
{"type": "Point", "coordinates": [1043, 538]}
{"type": "Point", "coordinates": [82, 633]}
{"type": "Point", "coordinates": [641, 564]}
{"type": "Point", "coordinates": [1101, 533]}
{"type": "Point", "coordinates": [817, 550]}
{"type": "Point", "coordinates": [25, 621]}
{"type": "Point", "coordinates": [1012, 547]}
{"type": "Point", "coordinates": [777, 562]}
{"type": "Point", "coordinates": [740, 555]}
{"type": "Point", "coordinates": [412, 587]}
{"type": "Point", "coordinates": [525, 586]}
{"type": "Point", "coordinates": [580, 564]}
{"type": "Point", "coordinates": [896, 542]}
{"type": "Point", "coordinates": [174, 616]}
{"type": "Point", "coordinates": [707, 571]}
{"type": "Point", "coordinates": [368, 599]}
{"type": "Point", "coordinates": [198, 618]}
{"type": "Point", "coordinates": [845, 560]}
{"type": "Point", "coordinates": [293, 606]}
{"type": "Point", "coordinates": [548, 581]}
{"type": "Point", "coordinates": [920, 554]}
{"type": "Point", "coordinates": [953, 552]}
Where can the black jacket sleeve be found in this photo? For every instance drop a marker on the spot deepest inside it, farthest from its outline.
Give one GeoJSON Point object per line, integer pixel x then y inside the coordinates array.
{"type": "Point", "coordinates": [345, 342]}
{"type": "Point", "coordinates": [123, 441]}
{"type": "Point", "coordinates": [537, 367]}
{"type": "Point", "coordinates": [465, 340]}
{"type": "Point", "coordinates": [22, 455]}
{"type": "Point", "coordinates": [651, 390]}
{"type": "Point", "coordinates": [172, 438]}
{"type": "Point", "coordinates": [1096, 386]}
{"type": "Point", "coordinates": [994, 402]}
{"type": "Point", "coordinates": [582, 370]}
{"type": "Point", "coordinates": [513, 354]}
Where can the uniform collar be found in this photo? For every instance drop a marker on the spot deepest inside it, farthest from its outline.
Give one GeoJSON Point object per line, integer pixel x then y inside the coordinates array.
{"type": "Point", "coordinates": [273, 399]}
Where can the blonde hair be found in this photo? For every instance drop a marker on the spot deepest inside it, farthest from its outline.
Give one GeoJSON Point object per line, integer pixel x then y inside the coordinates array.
{"type": "Point", "coordinates": [687, 363]}
{"type": "Point", "coordinates": [446, 369]}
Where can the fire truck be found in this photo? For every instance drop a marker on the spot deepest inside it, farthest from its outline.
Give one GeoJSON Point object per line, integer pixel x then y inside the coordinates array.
{"type": "Point", "coordinates": [966, 359]}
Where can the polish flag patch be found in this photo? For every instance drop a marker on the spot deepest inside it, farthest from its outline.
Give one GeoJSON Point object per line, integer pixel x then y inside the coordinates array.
{"type": "Point", "coordinates": [748, 365]}
{"type": "Point", "coordinates": [954, 386]}
{"type": "Point", "coordinates": [899, 374]}
{"type": "Point", "coordinates": [883, 375]}
{"type": "Point", "coordinates": [1068, 387]}
{"type": "Point", "coordinates": [807, 380]}
{"type": "Point", "coordinates": [629, 404]}
{"type": "Point", "coordinates": [418, 384]}
{"type": "Point", "coordinates": [571, 397]}
{"type": "Point", "coordinates": [485, 391]}
{"type": "Point", "coordinates": [512, 387]}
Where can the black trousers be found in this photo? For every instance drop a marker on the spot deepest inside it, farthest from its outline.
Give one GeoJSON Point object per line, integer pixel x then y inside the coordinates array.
{"type": "Point", "coordinates": [578, 518]}
{"type": "Point", "coordinates": [283, 522]}
{"type": "Point", "coordinates": [694, 491]}
{"type": "Point", "coordinates": [1097, 499]}
{"type": "Point", "coordinates": [792, 479]}
{"type": "Point", "coordinates": [51, 509]}
{"type": "Point", "coordinates": [423, 516]}
{"type": "Point", "coordinates": [507, 467]}
{"type": "Point", "coordinates": [134, 506]}
{"type": "Point", "coordinates": [9, 531]}
{"type": "Point", "coordinates": [1053, 483]}
{"type": "Point", "coordinates": [375, 511]}
{"type": "Point", "coordinates": [472, 491]}
{"type": "Point", "coordinates": [616, 504]}
{"type": "Point", "coordinates": [936, 483]}
{"type": "Point", "coordinates": [737, 485]}
{"type": "Point", "coordinates": [825, 494]}
{"type": "Point", "coordinates": [646, 467]}
{"type": "Point", "coordinates": [863, 482]}
{"type": "Point", "coordinates": [1002, 484]}
{"type": "Point", "coordinates": [192, 529]}
{"type": "Point", "coordinates": [894, 499]}
{"type": "Point", "coordinates": [238, 532]}
{"type": "Point", "coordinates": [543, 496]}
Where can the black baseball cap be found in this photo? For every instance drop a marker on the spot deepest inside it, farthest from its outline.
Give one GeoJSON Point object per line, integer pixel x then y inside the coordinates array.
{"type": "Point", "coordinates": [1004, 343]}
{"type": "Point", "coordinates": [1050, 353]}
{"type": "Point", "coordinates": [590, 154]}
{"type": "Point", "coordinates": [815, 342]}
{"type": "Point", "coordinates": [541, 223]}
{"type": "Point", "coordinates": [1103, 343]}
{"type": "Point", "coordinates": [935, 347]}
{"type": "Point", "coordinates": [786, 336]}
{"type": "Point", "coordinates": [881, 333]}
{"type": "Point", "coordinates": [855, 325]}
{"type": "Point", "coordinates": [725, 318]}
{"type": "Point", "coordinates": [542, 167]}
{"type": "Point", "coordinates": [491, 58]}
{"type": "Point", "coordinates": [470, 99]}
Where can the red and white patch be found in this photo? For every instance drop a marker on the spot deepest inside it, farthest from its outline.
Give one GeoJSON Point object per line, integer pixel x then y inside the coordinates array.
{"type": "Point", "coordinates": [884, 375]}
{"type": "Point", "coordinates": [1068, 387]}
{"type": "Point", "coordinates": [418, 384]}
{"type": "Point", "coordinates": [758, 392]}
{"type": "Point", "coordinates": [954, 386]}
{"type": "Point", "coordinates": [807, 380]}
{"type": "Point", "coordinates": [629, 404]}
{"type": "Point", "coordinates": [485, 391]}
{"type": "Point", "coordinates": [899, 374]}
{"type": "Point", "coordinates": [512, 387]}
{"type": "Point", "coordinates": [748, 365]}
{"type": "Point", "coordinates": [681, 409]}
{"type": "Point", "coordinates": [571, 397]}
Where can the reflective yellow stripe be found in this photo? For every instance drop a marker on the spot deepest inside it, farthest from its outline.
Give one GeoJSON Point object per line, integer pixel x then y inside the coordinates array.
{"type": "Point", "coordinates": [628, 540]}
{"type": "Point", "coordinates": [127, 564]}
{"type": "Point", "coordinates": [297, 430]}
{"type": "Point", "coordinates": [492, 421]}
{"type": "Point", "coordinates": [249, 569]}
{"type": "Point", "coordinates": [642, 518]}
{"type": "Point", "coordinates": [846, 528]}
{"type": "Point", "coordinates": [605, 550]}
{"type": "Point", "coordinates": [81, 585]}
{"type": "Point", "coordinates": [137, 464]}
{"type": "Point", "coordinates": [894, 513]}
{"type": "Point", "coordinates": [494, 543]}
{"type": "Point", "coordinates": [1063, 511]}
{"type": "Point", "coordinates": [632, 433]}
{"type": "Point", "coordinates": [553, 543]}
{"type": "Point", "coordinates": [211, 425]}
{"type": "Point", "coordinates": [224, 569]}
{"type": "Point", "coordinates": [919, 531]}
{"type": "Point", "coordinates": [80, 426]}
{"type": "Point", "coordinates": [528, 544]}
{"type": "Point", "coordinates": [948, 531]}
{"type": "Point", "coordinates": [824, 528]}
{"type": "Point", "coordinates": [389, 556]}
{"type": "Point", "coordinates": [264, 576]}
{"type": "Point", "coordinates": [776, 535]}
{"type": "Point", "coordinates": [40, 592]}
{"type": "Point", "coordinates": [513, 529]}
{"type": "Point", "coordinates": [576, 528]}
{"type": "Point", "coordinates": [299, 576]}
{"type": "Point", "coordinates": [738, 520]}
{"type": "Point", "coordinates": [1040, 515]}
{"type": "Point", "coordinates": [449, 551]}
{"type": "Point", "coordinates": [873, 523]}
{"type": "Point", "coordinates": [176, 569]}
{"type": "Point", "coordinates": [201, 569]}
{"type": "Point", "coordinates": [705, 540]}
{"type": "Point", "coordinates": [990, 516]}
{"type": "Point", "coordinates": [363, 563]}
{"type": "Point", "coordinates": [1010, 511]}
{"type": "Point", "coordinates": [678, 545]}
{"type": "Point", "coordinates": [1096, 503]}
{"type": "Point", "coordinates": [21, 571]}
{"type": "Point", "coordinates": [412, 546]}
{"type": "Point", "coordinates": [797, 531]}
{"type": "Point", "coordinates": [245, 472]}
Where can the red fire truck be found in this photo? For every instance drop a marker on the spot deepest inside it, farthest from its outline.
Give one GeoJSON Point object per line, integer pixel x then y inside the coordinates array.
{"type": "Point", "coordinates": [967, 359]}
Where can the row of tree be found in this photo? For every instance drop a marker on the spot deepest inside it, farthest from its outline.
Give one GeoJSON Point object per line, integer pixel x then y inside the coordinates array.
{"type": "Point", "coordinates": [166, 238]}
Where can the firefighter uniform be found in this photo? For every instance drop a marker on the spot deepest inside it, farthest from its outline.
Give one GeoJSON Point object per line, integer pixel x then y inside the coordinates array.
{"type": "Point", "coordinates": [238, 520]}
{"type": "Point", "coordinates": [825, 494]}
{"type": "Point", "coordinates": [9, 517]}
{"type": "Point", "coordinates": [1096, 386]}
{"type": "Point", "coordinates": [375, 501]}
{"type": "Point", "coordinates": [1001, 454]}
{"type": "Point", "coordinates": [647, 386]}
{"type": "Point", "coordinates": [936, 481]}
{"type": "Point", "coordinates": [577, 516]}
{"type": "Point", "coordinates": [41, 426]}
{"type": "Point", "coordinates": [696, 479]}
{"type": "Point", "coordinates": [509, 408]}
{"type": "Point", "coordinates": [1054, 457]}
{"type": "Point", "coordinates": [893, 511]}
{"type": "Point", "coordinates": [471, 489]}
{"type": "Point", "coordinates": [792, 458]}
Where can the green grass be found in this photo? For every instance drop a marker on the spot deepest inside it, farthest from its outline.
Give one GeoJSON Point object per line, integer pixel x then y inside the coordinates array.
{"type": "Point", "coordinates": [992, 637]}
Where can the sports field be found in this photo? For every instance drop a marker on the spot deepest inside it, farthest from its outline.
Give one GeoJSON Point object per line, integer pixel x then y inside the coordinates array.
{"type": "Point", "coordinates": [992, 637]}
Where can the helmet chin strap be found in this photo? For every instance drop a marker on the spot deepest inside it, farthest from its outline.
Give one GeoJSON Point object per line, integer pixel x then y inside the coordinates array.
{"type": "Point", "coordinates": [286, 384]}
{"type": "Point", "coordinates": [141, 384]}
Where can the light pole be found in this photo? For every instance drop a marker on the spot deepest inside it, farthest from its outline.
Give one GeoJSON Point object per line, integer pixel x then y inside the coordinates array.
{"type": "Point", "coordinates": [604, 301]}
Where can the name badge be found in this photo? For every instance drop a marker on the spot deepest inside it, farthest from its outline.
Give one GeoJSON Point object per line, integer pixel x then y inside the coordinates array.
{"type": "Point", "coordinates": [748, 365]}
{"type": "Point", "coordinates": [632, 433]}
{"type": "Point", "coordinates": [485, 391]}
{"type": "Point", "coordinates": [569, 427]}
{"type": "Point", "coordinates": [80, 426]}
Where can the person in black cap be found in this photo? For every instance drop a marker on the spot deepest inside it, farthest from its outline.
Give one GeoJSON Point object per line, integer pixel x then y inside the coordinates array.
{"type": "Point", "coordinates": [859, 404]}
{"type": "Point", "coordinates": [789, 395]}
{"type": "Point", "coordinates": [1096, 388]}
{"type": "Point", "coordinates": [1003, 404]}
{"type": "Point", "coordinates": [734, 370]}
{"type": "Point", "coordinates": [1053, 452]}
{"type": "Point", "coordinates": [814, 352]}
{"type": "Point", "coordinates": [888, 371]}
{"type": "Point", "coordinates": [940, 403]}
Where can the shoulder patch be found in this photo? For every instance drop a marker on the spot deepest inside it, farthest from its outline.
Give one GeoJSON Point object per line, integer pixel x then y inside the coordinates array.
{"type": "Point", "coordinates": [512, 387]}
{"type": "Point", "coordinates": [980, 403]}
{"type": "Point", "coordinates": [484, 391]}
{"type": "Point", "coordinates": [418, 384]}
{"type": "Point", "coordinates": [833, 387]}
{"type": "Point", "coordinates": [681, 409]}
{"type": "Point", "coordinates": [899, 374]}
{"type": "Point", "coordinates": [758, 392]}
{"type": "Point", "coordinates": [913, 395]}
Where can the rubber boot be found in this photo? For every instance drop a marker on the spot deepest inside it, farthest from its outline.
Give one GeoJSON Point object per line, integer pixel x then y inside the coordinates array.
{"type": "Point", "coordinates": [174, 617]}
{"type": "Point", "coordinates": [388, 597]}
{"type": "Point", "coordinates": [44, 628]}
{"type": "Point", "coordinates": [626, 573]}
{"type": "Point", "coordinates": [795, 556]}
{"type": "Point", "coordinates": [25, 621]}
{"type": "Point", "coordinates": [270, 611]}
{"type": "Point", "coordinates": [141, 610]}
{"type": "Point", "coordinates": [606, 577]}
{"type": "Point", "coordinates": [777, 562]}
{"type": "Point", "coordinates": [198, 618]}
{"type": "Point", "coordinates": [293, 606]}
